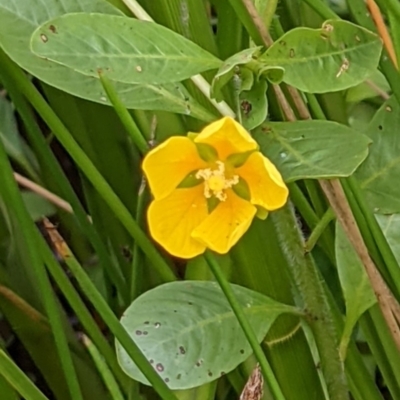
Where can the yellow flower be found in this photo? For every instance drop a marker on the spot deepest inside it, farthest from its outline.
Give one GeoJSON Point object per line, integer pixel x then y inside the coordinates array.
{"type": "Point", "coordinates": [208, 187]}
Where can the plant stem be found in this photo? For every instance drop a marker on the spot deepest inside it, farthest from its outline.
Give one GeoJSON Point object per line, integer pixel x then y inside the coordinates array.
{"type": "Point", "coordinates": [319, 229]}
{"type": "Point", "coordinates": [87, 167]}
{"type": "Point", "coordinates": [124, 115]}
{"type": "Point", "coordinates": [103, 369]}
{"type": "Point", "coordinates": [60, 184]}
{"type": "Point", "coordinates": [244, 323]}
{"type": "Point", "coordinates": [13, 201]}
{"type": "Point", "coordinates": [307, 280]}
{"type": "Point", "coordinates": [117, 329]}
{"type": "Point", "coordinates": [78, 306]}
{"type": "Point", "coordinates": [321, 8]}
{"type": "Point", "coordinates": [386, 252]}
{"type": "Point", "coordinates": [267, 14]}
{"type": "Point", "coordinates": [137, 255]}
{"type": "Point", "coordinates": [198, 80]}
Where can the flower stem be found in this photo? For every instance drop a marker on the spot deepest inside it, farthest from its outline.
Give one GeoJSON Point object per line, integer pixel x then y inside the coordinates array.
{"type": "Point", "coordinates": [307, 280]}
{"type": "Point", "coordinates": [244, 323]}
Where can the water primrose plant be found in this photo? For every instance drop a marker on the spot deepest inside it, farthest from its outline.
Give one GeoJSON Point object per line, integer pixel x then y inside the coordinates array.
{"type": "Point", "coordinates": [207, 189]}
{"type": "Point", "coordinates": [131, 264]}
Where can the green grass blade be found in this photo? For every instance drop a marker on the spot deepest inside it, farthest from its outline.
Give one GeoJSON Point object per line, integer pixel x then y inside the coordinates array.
{"type": "Point", "coordinates": [117, 329]}
{"type": "Point", "coordinates": [13, 201]}
{"type": "Point", "coordinates": [81, 312]}
{"type": "Point", "coordinates": [58, 182]}
{"type": "Point", "coordinates": [88, 168]}
{"type": "Point", "coordinates": [18, 379]}
{"type": "Point", "coordinates": [103, 369]}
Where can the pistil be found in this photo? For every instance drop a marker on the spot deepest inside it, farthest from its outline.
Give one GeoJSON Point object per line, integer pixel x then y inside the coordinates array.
{"type": "Point", "coordinates": [215, 181]}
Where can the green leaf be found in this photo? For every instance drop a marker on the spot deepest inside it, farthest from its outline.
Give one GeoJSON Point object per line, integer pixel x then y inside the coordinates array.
{"type": "Point", "coordinates": [390, 225]}
{"type": "Point", "coordinates": [337, 56]}
{"type": "Point", "coordinates": [357, 290]}
{"type": "Point", "coordinates": [124, 49]}
{"type": "Point", "coordinates": [18, 22]}
{"type": "Point", "coordinates": [230, 67]}
{"type": "Point", "coordinates": [37, 206]}
{"type": "Point", "coordinates": [312, 149]}
{"type": "Point", "coordinates": [273, 74]}
{"type": "Point", "coordinates": [14, 144]}
{"type": "Point", "coordinates": [190, 334]}
{"type": "Point", "coordinates": [254, 105]}
{"type": "Point", "coordinates": [366, 90]}
{"type": "Point", "coordinates": [379, 174]}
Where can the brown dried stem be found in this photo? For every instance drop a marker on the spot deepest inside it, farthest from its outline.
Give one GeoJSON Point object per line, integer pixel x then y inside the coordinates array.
{"type": "Point", "coordinates": [334, 192]}
{"type": "Point", "coordinates": [41, 191]}
{"type": "Point", "coordinates": [382, 30]}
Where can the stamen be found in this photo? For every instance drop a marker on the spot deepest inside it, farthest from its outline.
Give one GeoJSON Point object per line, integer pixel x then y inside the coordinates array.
{"type": "Point", "coordinates": [215, 181]}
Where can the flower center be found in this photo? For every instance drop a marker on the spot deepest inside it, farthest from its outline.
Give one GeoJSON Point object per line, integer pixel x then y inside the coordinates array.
{"type": "Point", "coordinates": [215, 181]}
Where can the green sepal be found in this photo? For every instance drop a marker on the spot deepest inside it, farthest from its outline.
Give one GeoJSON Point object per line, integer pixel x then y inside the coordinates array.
{"type": "Point", "coordinates": [242, 189]}
{"type": "Point", "coordinates": [262, 213]}
{"type": "Point", "coordinates": [207, 152]}
{"type": "Point", "coordinates": [190, 181]}
{"type": "Point", "coordinates": [238, 159]}
{"type": "Point", "coordinates": [212, 203]}
{"type": "Point", "coordinates": [192, 135]}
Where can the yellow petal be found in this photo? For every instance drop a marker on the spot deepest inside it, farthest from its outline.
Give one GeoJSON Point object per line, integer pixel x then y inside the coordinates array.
{"type": "Point", "coordinates": [227, 137]}
{"type": "Point", "coordinates": [266, 185]}
{"type": "Point", "coordinates": [172, 219]}
{"type": "Point", "coordinates": [169, 163]}
{"type": "Point", "coordinates": [226, 224]}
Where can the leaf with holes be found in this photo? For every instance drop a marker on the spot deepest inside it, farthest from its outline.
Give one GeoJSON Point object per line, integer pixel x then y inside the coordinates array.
{"type": "Point", "coordinates": [357, 290]}
{"type": "Point", "coordinates": [123, 49]}
{"type": "Point", "coordinates": [312, 149]}
{"type": "Point", "coordinates": [254, 105]}
{"type": "Point", "coordinates": [20, 19]}
{"type": "Point", "coordinates": [379, 174]}
{"type": "Point", "coordinates": [337, 56]}
{"type": "Point", "coordinates": [189, 333]}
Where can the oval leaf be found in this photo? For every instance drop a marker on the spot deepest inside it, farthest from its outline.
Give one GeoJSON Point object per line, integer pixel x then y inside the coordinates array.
{"type": "Point", "coordinates": [124, 49]}
{"type": "Point", "coordinates": [337, 56]}
{"type": "Point", "coordinates": [357, 290]}
{"type": "Point", "coordinates": [312, 149]}
{"type": "Point", "coordinates": [189, 333]}
{"type": "Point", "coordinates": [254, 105]}
{"type": "Point", "coordinates": [390, 225]}
{"type": "Point", "coordinates": [379, 174]}
{"type": "Point", "coordinates": [19, 22]}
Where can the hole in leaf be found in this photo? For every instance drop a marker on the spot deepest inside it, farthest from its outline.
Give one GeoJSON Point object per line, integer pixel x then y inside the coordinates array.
{"type": "Point", "coordinates": [160, 367]}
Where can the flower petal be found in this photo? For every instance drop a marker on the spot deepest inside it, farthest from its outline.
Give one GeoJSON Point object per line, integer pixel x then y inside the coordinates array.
{"type": "Point", "coordinates": [169, 163]}
{"type": "Point", "coordinates": [172, 219]}
{"type": "Point", "coordinates": [227, 137]}
{"type": "Point", "coordinates": [266, 185]}
{"type": "Point", "coordinates": [226, 224]}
